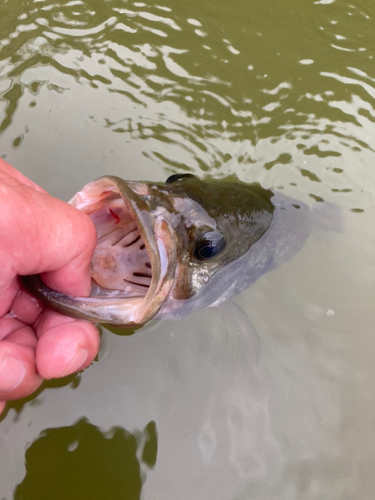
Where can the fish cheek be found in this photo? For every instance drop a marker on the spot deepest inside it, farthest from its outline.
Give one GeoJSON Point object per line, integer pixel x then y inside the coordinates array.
{"type": "Point", "coordinates": [183, 288]}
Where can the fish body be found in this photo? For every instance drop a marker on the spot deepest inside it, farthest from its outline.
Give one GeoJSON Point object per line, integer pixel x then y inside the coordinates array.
{"type": "Point", "coordinates": [165, 250]}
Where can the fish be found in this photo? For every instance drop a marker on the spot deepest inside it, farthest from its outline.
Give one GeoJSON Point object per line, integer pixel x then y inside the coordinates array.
{"type": "Point", "coordinates": [166, 250]}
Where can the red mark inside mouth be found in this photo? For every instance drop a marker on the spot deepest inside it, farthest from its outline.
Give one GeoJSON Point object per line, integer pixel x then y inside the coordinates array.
{"type": "Point", "coordinates": [115, 216]}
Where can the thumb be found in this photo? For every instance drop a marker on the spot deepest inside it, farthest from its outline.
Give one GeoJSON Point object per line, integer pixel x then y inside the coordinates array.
{"type": "Point", "coordinates": [73, 277]}
{"type": "Point", "coordinates": [44, 235]}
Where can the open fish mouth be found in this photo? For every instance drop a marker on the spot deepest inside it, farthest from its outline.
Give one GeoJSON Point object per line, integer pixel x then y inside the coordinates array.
{"type": "Point", "coordinates": [134, 262]}
{"type": "Point", "coordinates": [121, 264]}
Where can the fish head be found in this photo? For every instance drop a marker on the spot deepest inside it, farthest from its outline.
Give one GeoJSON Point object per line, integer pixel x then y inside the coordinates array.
{"type": "Point", "coordinates": [215, 225]}
{"type": "Point", "coordinates": [163, 250]}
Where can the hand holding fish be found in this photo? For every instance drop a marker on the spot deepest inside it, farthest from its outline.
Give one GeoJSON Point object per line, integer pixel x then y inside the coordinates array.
{"type": "Point", "coordinates": [125, 253]}
{"type": "Point", "coordinates": [40, 234]}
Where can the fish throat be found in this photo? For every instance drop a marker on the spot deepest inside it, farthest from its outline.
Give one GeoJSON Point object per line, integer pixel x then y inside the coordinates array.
{"type": "Point", "coordinates": [121, 261]}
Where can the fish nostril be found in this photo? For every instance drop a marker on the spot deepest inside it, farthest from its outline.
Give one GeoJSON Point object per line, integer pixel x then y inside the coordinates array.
{"type": "Point", "coordinates": [148, 265]}
{"type": "Point", "coordinates": [142, 247]}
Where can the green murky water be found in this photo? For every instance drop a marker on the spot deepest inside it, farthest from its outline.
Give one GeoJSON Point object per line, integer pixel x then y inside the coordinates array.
{"type": "Point", "coordinates": [281, 92]}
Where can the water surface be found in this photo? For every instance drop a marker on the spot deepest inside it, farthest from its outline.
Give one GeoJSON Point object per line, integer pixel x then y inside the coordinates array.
{"type": "Point", "coordinates": [280, 92]}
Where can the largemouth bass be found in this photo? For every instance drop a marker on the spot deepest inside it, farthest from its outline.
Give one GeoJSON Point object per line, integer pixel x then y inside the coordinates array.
{"type": "Point", "coordinates": [167, 250]}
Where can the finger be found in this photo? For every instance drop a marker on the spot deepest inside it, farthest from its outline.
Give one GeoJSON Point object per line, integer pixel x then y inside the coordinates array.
{"type": "Point", "coordinates": [8, 295]}
{"type": "Point", "coordinates": [43, 234]}
{"type": "Point", "coordinates": [26, 308]}
{"type": "Point", "coordinates": [18, 374]}
{"type": "Point", "coordinates": [2, 406]}
{"type": "Point", "coordinates": [23, 336]}
{"type": "Point", "coordinates": [65, 345]}
{"type": "Point", "coordinates": [9, 170]}
{"type": "Point", "coordinates": [9, 326]}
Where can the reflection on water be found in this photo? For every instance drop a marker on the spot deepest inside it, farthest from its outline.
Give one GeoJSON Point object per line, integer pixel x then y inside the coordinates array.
{"type": "Point", "coordinates": [83, 462]}
{"type": "Point", "coordinates": [278, 92]}
{"type": "Point", "coordinates": [204, 87]}
{"type": "Point", "coordinates": [36, 399]}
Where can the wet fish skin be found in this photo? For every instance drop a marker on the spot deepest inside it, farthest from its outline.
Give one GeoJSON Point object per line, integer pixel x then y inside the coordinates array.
{"type": "Point", "coordinates": [207, 241]}
{"type": "Point", "coordinates": [240, 212]}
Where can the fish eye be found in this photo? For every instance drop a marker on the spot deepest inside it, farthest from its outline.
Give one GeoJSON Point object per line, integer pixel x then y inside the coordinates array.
{"type": "Point", "coordinates": [209, 245]}
{"type": "Point", "coordinates": [177, 177]}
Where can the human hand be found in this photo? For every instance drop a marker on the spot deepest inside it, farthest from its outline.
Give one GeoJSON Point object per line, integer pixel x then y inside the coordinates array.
{"type": "Point", "coordinates": [40, 235]}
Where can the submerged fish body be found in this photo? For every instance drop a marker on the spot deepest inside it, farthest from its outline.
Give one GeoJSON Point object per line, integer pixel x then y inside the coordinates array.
{"type": "Point", "coordinates": [167, 250]}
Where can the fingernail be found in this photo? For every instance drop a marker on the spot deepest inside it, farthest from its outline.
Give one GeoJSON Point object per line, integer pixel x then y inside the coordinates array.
{"type": "Point", "coordinates": [76, 363]}
{"type": "Point", "coordinates": [12, 373]}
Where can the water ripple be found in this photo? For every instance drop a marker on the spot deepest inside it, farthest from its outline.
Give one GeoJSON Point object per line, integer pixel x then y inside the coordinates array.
{"type": "Point", "coordinates": [243, 95]}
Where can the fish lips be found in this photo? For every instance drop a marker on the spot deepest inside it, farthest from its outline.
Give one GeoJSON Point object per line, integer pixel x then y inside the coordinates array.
{"type": "Point", "coordinates": [159, 238]}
